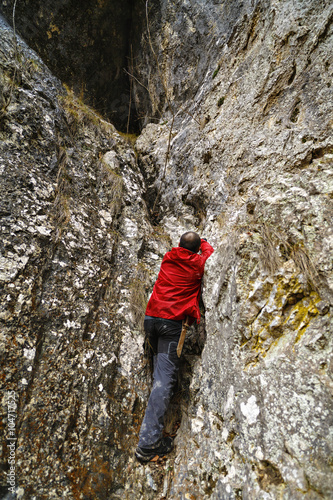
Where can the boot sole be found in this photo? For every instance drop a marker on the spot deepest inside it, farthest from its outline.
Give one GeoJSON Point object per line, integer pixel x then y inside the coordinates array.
{"type": "Point", "coordinates": [151, 458]}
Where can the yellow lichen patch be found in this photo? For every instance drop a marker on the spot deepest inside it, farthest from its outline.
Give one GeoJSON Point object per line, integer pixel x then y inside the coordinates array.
{"type": "Point", "coordinates": [303, 313]}
{"type": "Point", "coordinates": [300, 316]}
{"type": "Point", "coordinates": [277, 306]}
{"type": "Point", "coordinates": [300, 311]}
{"type": "Point", "coordinates": [289, 291]}
{"type": "Point", "coordinates": [52, 29]}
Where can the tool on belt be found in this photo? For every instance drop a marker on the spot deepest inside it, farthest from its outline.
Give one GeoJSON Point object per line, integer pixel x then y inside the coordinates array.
{"type": "Point", "coordinates": [185, 327]}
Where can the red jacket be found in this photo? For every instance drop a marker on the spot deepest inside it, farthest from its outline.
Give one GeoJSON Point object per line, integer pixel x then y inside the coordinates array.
{"type": "Point", "coordinates": [177, 289]}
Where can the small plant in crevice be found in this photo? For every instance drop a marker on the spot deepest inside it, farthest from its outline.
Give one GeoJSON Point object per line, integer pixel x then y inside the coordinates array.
{"type": "Point", "coordinates": [61, 207]}
{"type": "Point", "coordinates": [274, 247]}
{"type": "Point", "coordinates": [268, 251]}
{"type": "Point", "coordinates": [305, 265]}
{"type": "Point", "coordinates": [138, 294]}
{"type": "Point", "coordinates": [79, 115]}
{"type": "Point", "coordinates": [110, 187]}
{"type": "Point", "coordinates": [216, 71]}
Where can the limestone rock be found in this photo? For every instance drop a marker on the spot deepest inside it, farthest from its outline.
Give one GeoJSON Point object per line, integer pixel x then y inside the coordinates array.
{"type": "Point", "coordinates": [239, 148]}
{"type": "Point", "coordinates": [86, 45]}
{"type": "Point", "coordinates": [73, 224]}
{"type": "Point", "coordinates": [251, 168]}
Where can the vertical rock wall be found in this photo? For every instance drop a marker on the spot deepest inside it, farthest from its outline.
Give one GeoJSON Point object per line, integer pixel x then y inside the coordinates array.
{"type": "Point", "coordinates": [86, 44]}
{"type": "Point", "coordinates": [251, 168]}
{"type": "Point", "coordinates": [73, 224]}
{"type": "Point", "coordinates": [239, 97]}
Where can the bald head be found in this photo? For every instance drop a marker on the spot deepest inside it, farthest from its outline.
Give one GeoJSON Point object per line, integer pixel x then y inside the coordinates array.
{"type": "Point", "coordinates": [190, 241]}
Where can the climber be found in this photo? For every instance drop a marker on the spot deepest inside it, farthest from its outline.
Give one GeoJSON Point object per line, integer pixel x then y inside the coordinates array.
{"type": "Point", "coordinates": [175, 297]}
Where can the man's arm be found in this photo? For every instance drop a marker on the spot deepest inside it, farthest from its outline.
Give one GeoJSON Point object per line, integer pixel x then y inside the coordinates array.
{"type": "Point", "coordinates": [206, 250]}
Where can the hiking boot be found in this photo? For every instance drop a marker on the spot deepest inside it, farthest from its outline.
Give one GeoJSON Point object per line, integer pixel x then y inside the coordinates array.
{"type": "Point", "coordinates": [154, 454]}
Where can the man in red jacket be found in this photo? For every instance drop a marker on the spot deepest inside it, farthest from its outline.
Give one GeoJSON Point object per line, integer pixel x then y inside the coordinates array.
{"type": "Point", "coordinates": [175, 296]}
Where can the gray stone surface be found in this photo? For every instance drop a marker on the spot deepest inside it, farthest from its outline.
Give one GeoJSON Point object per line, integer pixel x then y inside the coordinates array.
{"type": "Point", "coordinates": [251, 166]}
{"type": "Point", "coordinates": [86, 44]}
{"type": "Point", "coordinates": [73, 223]}
{"type": "Point", "coordinates": [245, 96]}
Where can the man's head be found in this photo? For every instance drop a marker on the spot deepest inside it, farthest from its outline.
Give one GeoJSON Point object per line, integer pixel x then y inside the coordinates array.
{"type": "Point", "coordinates": [190, 241]}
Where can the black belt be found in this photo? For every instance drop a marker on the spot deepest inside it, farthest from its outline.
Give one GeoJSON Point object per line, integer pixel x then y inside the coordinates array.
{"type": "Point", "coordinates": [178, 321]}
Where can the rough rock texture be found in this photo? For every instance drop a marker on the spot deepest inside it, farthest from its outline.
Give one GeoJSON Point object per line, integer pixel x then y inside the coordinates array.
{"type": "Point", "coordinates": [87, 44]}
{"type": "Point", "coordinates": [73, 224]}
{"type": "Point", "coordinates": [244, 94]}
{"type": "Point", "coordinates": [251, 167]}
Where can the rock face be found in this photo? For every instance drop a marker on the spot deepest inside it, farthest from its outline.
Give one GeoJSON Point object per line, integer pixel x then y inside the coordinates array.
{"type": "Point", "coordinates": [70, 311]}
{"type": "Point", "coordinates": [240, 149]}
{"type": "Point", "coordinates": [86, 44]}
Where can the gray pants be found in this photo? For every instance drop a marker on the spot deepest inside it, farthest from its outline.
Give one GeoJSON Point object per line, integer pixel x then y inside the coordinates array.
{"type": "Point", "coordinates": [163, 335]}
